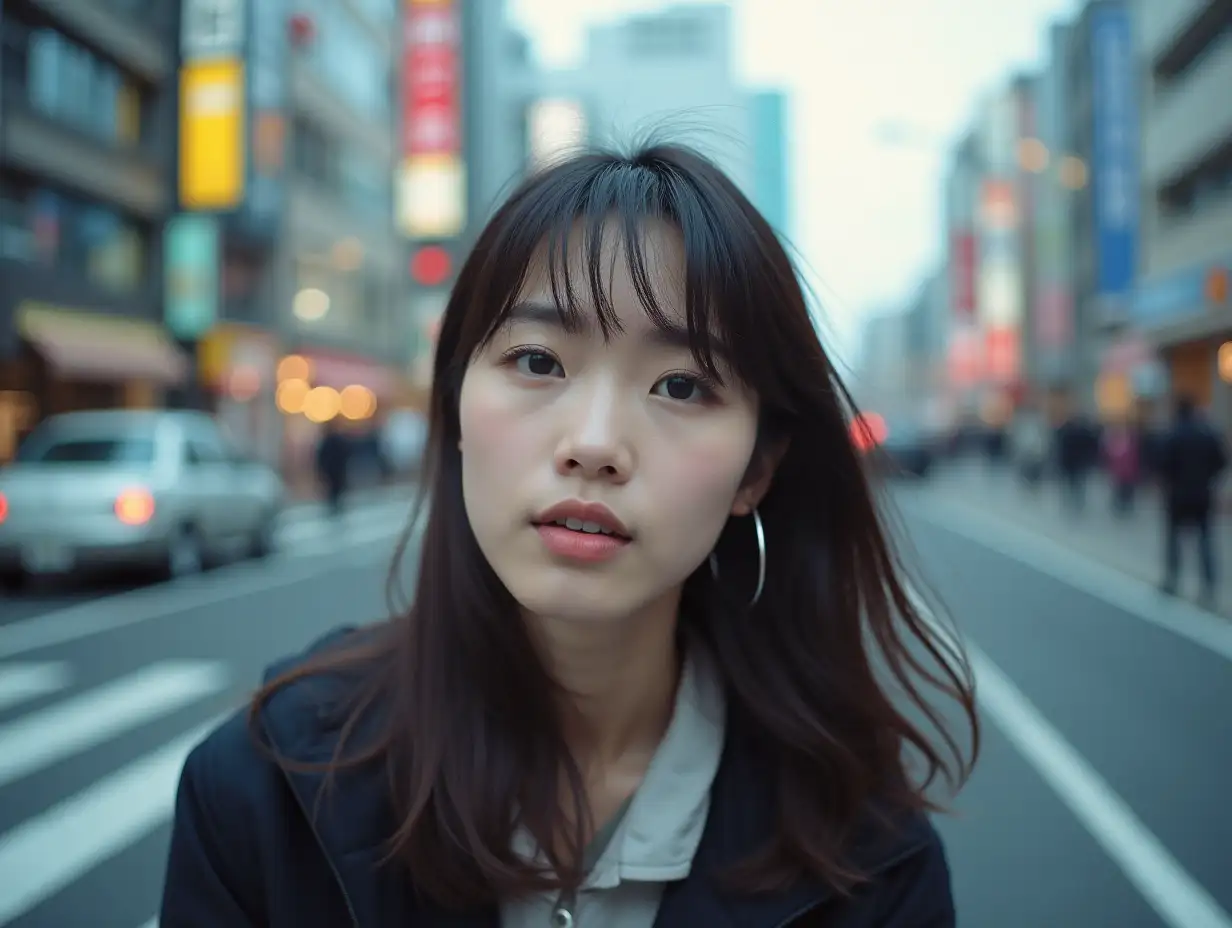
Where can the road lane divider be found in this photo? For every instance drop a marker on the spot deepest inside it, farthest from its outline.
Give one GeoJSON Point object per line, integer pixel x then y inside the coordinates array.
{"type": "Point", "coordinates": [1117, 588]}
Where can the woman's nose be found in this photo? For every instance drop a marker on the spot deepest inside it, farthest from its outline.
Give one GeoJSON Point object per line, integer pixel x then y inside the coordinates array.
{"type": "Point", "coordinates": [596, 443]}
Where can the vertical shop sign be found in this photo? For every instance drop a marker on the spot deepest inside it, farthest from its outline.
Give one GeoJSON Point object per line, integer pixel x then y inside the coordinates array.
{"type": "Point", "coordinates": [212, 92]}
{"type": "Point", "coordinates": [432, 178]}
{"type": "Point", "coordinates": [1114, 179]}
{"type": "Point", "coordinates": [191, 249]}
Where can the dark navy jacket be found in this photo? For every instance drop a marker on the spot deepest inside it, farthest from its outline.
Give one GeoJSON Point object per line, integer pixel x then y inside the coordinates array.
{"type": "Point", "coordinates": [245, 852]}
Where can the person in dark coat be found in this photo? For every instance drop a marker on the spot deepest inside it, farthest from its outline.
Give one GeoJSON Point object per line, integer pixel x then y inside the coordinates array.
{"type": "Point", "coordinates": [335, 453]}
{"type": "Point", "coordinates": [1191, 458]}
{"type": "Point", "coordinates": [660, 669]}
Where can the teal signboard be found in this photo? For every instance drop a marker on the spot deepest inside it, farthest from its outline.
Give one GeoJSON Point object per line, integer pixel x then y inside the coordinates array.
{"type": "Point", "coordinates": [190, 246]}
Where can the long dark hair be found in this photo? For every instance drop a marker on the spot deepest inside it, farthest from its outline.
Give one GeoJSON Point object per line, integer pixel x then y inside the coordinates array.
{"type": "Point", "coordinates": [826, 667]}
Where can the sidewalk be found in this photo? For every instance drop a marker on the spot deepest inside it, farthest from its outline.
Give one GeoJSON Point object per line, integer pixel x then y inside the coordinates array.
{"type": "Point", "coordinates": [1133, 544]}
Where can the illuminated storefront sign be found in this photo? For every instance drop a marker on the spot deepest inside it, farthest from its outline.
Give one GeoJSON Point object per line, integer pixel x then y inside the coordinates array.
{"type": "Point", "coordinates": [431, 189]}
{"type": "Point", "coordinates": [212, 163]}
{"type": "Point", "coordinates": [212, 110]}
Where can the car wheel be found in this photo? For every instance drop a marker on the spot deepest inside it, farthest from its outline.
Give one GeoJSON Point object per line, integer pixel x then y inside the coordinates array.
{"type": "Point", "coordinates": [261, 545]}
{"type": "Point", "coordinates": [185, 556]}
{"type": "Point", "coordinates": [13, 581]}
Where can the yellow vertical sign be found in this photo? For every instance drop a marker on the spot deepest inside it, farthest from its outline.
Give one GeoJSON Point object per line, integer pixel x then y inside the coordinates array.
{"type": "Point", "coordinates": [212, 156]}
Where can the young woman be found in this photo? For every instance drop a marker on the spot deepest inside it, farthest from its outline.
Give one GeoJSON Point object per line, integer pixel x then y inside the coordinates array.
{"type": "Point", "coordinates": [661, 667]}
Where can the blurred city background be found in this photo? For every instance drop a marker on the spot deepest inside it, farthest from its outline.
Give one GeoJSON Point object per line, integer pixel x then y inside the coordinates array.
{"type": "Point", "coordinates": [228, 229]}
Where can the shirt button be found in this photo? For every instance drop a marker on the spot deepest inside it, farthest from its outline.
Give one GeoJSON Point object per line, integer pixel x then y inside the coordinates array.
{"type": "Point", "coordinates": [562, 918]}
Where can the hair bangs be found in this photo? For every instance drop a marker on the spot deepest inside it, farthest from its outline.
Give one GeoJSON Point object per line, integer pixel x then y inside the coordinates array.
{"type": "Point", "coordinates": [564, 220]}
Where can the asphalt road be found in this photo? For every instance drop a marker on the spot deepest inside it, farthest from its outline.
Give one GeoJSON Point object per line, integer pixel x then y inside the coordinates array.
{"type": "Point", "coordinates": [1101, 798]}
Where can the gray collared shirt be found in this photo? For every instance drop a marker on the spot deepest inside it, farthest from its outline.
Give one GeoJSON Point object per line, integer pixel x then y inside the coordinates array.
{"type": "Point", "coordinates": [659, 835]}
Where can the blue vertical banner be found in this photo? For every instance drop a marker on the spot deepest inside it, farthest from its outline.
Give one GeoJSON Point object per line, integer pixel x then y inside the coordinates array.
{"type": "Point", "coordinates": [1114, 152]}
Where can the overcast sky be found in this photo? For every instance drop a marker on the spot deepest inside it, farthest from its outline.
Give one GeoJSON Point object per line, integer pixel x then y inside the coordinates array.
{"type": "Point", "coordinates": [867, 218]}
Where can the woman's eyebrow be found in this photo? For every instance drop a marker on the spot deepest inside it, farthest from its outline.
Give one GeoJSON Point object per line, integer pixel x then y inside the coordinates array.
{"type": "Point", "coordinates": [668, 334]}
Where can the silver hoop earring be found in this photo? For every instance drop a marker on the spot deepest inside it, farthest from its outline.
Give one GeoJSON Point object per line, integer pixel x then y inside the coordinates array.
{"type": "Point", "coordinates": [761, 558]}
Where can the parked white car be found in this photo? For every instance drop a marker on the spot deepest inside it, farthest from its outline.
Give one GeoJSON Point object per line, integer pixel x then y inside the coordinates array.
{"type": "Point", "coordinates": [122, 488]}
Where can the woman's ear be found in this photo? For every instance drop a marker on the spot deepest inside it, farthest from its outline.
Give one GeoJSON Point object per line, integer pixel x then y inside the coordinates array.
{"type": "Point", "coordinates": [758, 478]}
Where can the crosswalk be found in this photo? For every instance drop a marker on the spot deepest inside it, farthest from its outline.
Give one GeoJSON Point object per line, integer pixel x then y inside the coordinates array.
{"type": "Point", "coordinates": [50, 848]}
{"type": "Point", "coordinates": [89, 766]}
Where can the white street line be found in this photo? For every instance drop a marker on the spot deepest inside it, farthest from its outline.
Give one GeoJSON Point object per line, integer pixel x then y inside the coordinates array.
{"type": "Point", "coordinates": [42, 856]}
{"type": "Point", "coordinates": [152, 923]}
{"type": "Point", "coordinates": [142, 605]}
{"type": "Point", "coordinates": [1178, 898]}
{"type": "Point", "coordinates": [22, 682]}
{"type": "Point", "coordinates": [1082, 573]}
{"type": "Point", "coordinates": [298, 531]}
{"type": "Point", "coordinates": [39, 739]}
{"type": "Point", "coordinates": [349, 537]}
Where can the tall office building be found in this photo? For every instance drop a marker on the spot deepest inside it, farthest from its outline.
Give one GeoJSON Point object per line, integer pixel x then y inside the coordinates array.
{"type": "Point", "coordinates": [87, 133]}
{"type": "Point", "coordinates": [666, 75]}
{"type": "Point", "coordinates": [1183, 301]}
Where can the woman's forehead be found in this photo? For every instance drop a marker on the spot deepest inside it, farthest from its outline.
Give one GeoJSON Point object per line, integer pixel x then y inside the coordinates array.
{"type": "Point", "coordinates": [603, 268]}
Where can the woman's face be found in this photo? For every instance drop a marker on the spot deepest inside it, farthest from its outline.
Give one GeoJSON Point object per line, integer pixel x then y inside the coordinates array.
{"type": "Point", "coordinates": [623, 435]}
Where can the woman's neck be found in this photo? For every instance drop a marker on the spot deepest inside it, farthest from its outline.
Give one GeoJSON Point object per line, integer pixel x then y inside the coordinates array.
{"type": "Point", "coordinates": [620, 682]}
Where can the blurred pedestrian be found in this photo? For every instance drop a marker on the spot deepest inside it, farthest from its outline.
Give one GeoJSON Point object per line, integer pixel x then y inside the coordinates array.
{"type": "Point", "coordinates": [1030, 443]}
{"type": "Point", "coordinates": [1077, 449]}
{"type": "Point", "coordinates": [658, 627]}
{"type": "Point", "coordinates": [1192, 456]}
{"type": "Point", "coordinates": [1123, 460]}
{"type": "Point", "coordinates": [334, 460]}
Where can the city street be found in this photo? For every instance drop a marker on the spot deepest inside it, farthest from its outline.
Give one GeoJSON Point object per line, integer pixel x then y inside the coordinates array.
{"type": "Point", "coordinates": [1101, 798]}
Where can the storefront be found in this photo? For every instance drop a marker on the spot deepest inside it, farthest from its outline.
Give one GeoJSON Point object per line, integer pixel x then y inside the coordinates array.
{"type": "Point", "coordinates": [316, 389]}
{"type": "Point", "coordinates": [63, 360]}
{"type": "Point", "coordinates": [1187, 318]}
{"type": "Point", "coordinates": [236, 367]}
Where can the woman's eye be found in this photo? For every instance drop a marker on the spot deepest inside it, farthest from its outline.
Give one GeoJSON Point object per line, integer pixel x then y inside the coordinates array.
{"type": "Point", "coordinates": [537, 364]}
{"type": "Point", "coordinates": [679, 387]}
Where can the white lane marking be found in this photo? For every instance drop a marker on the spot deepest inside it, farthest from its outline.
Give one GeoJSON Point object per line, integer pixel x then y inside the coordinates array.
{"type": "Point", "coordinates": [142, 605]}
{"type": "Point", "coordinates": [43, 855]}
{"type": "Point", "coordinates": [1179, 899]}
{"type": "Point", "coordinates": [349, 537]}
{"type": "Point", "coordinates": [25, 681]}
{"type": "Point", "coordinates": [152, 923]}
{"type": "Point", "coordinates": [39, 739]}
{"type": "Point", "coordinates": [1082, 573]}
{"type": "Point", "coordinates": [291, 534]}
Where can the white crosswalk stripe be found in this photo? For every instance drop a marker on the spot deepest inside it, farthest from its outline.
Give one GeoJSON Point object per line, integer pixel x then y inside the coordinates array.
{"type": "Point", "coordinates": [45, 854]}
{"type": "Point", "coordinates": [54, 720]}
{"type": "Point", "coordinates": [96, 716]}
{"type": "Point", "coordinates": [25, 681]}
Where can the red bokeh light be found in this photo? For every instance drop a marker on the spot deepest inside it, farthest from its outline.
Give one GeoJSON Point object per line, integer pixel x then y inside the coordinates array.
{"type": "Point", "coordinates": [868, 430]}
{"type": "Point", "coordinates": [431, 266]}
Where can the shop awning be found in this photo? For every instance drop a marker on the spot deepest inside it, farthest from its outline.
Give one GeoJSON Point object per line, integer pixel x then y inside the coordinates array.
{"type": "Point", "coordinates": [86, 346]}
{"type": "Point", "coordinates": [340, 372]}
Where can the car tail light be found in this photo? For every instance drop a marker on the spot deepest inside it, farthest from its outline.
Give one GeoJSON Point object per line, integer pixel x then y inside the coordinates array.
{"type": "Point", "coordinates": [4, 508]}
{"type": "Point", "coordinates": [134, 507]}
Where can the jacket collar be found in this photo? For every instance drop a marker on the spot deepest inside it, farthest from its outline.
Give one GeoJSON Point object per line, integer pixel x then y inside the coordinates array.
{"type": "Point", "coordinates": [352, 822]}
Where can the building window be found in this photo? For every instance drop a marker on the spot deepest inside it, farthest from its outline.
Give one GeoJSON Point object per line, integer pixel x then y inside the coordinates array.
{"type": "Point", "coordinates": [342, 171]}
{"type": "Point", "coordinates": [1207, 184]}
{"type": "Point", "coordinates": [94, 241]}
{"type": "Point", "coordinates": [346, 57]}
{"type": "Point", "coordinates": [67, 82]}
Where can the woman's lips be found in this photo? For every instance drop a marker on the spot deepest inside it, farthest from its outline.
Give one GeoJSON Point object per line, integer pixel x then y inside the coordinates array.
{"type": "Point", "coordinates": [587, 547]}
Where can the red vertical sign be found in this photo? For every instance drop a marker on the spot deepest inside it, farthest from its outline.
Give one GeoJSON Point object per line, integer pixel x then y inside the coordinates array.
{"type": "Point", "coordinates": [431, 79]}
{"type": "Point", "coordinates": [962, 274]}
